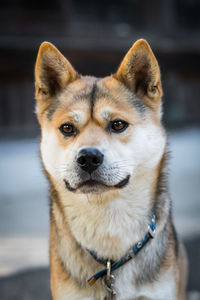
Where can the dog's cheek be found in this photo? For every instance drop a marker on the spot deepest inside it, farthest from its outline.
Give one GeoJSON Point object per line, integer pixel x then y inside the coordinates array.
{"type": "Point", "coordinates": [53, 154]}
{"type": "Point", "coordinates": [119, 156]}
{"type": "Point", "coordinates": [148, 144]}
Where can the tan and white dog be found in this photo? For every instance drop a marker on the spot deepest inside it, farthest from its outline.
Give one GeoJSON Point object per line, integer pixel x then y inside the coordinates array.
{"type": "Point", "coordinates": [104, 152]}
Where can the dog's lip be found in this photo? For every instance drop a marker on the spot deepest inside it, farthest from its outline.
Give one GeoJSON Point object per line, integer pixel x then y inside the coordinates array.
{"type": "Point", "coordinates": [89, 182]}
{"type": "Point", "coordinates": [68, 186]}
{"type": "Point", "coordinates": [123, 182]}
{"type": "Point", "coordinates": [93, 183]}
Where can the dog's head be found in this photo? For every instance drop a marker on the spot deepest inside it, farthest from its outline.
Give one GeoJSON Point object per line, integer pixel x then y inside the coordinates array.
{"type": "Point", "coordinates": [97, 133]}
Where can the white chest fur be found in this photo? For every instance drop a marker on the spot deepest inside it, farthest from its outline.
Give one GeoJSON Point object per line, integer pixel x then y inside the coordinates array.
{"type": "Point", "coordinates": [162, 289]}
{"type": "Point", "coordinates": [110, 228]}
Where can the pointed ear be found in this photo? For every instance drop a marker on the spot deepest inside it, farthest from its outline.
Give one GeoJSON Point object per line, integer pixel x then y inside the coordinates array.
{"type": "Point", "coordinates": [140, 72]}
{"type": "Point", "coordinates": [52, 72]}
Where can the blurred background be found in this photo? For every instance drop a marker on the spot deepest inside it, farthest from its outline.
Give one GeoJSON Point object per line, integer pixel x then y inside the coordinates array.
{"type": "Point", "coordinates": [94, 36]}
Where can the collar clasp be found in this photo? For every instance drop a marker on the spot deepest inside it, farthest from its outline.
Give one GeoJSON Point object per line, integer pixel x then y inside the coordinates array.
{"type": "Point", "coordinates": [109, 280]}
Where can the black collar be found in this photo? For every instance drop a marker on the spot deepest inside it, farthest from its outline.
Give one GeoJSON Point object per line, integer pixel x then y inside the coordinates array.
{"type": "Point", "coordinates": [132, 252]}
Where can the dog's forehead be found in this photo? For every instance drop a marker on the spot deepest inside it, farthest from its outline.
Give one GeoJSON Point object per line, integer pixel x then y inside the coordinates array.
{"type": "Point", "coordinates": [95, 97]}
{"type": "Point", "coordinates": [78, 92]}
{"type": "Point", "coordinates": [110, 96]}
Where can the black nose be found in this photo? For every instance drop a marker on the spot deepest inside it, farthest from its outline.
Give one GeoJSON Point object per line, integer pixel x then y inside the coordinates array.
{"type": "Point", "coordinates": [89, 159]}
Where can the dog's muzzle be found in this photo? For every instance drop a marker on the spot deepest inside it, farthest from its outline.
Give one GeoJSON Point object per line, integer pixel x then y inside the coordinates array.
{"type": "Point", "coordinates": [88, 161]}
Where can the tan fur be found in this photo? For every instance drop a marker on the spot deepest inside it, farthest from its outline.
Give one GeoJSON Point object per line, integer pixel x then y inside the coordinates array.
{"type": "Point", "coordinates": [108, 220]}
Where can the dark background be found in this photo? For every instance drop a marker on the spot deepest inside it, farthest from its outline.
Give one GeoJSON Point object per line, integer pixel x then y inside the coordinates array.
{"type": "Point", "coordinates": [95, 35]}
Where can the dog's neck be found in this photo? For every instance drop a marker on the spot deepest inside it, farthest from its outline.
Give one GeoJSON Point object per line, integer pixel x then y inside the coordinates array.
{"type": "Point", "coordinates": [110, 223]}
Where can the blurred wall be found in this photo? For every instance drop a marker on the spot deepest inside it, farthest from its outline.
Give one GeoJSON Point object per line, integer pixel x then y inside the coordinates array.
{"type": "Point", "coordinates": [94, 36]}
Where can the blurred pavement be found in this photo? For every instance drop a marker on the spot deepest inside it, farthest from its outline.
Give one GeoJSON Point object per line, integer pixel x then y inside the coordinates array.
{"type": "Point", "coordinates": [24, 199]}
{"type": "Point", "coordinates": [24, 207]}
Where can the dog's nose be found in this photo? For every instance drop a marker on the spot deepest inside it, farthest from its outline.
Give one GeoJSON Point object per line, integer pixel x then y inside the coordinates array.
{"type": "Point", "coordinates": [89, 159]}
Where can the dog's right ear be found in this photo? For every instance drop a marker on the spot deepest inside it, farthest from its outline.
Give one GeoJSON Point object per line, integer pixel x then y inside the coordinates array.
{"type": "Point", "coordinates": [139, 72]}
{"type": "Point", "coordinates": [52, 72]}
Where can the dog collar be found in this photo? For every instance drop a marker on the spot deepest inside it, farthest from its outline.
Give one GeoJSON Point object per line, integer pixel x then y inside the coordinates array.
{"type": "Point", "coordinates": [132, 252]}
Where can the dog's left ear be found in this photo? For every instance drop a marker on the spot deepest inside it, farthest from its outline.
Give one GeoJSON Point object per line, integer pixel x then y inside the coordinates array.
{"type": "Point", "coordinates": [52, 72]}
{"type": "Point", "coordinates": [140, 72]}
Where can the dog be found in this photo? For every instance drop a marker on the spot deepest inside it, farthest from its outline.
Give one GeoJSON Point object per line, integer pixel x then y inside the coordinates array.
{"type": "Point", "coordinates": [104, 151]}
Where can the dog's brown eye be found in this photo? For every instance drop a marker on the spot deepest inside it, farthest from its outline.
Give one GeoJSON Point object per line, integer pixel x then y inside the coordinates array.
{"type": "Point", "coordinates": [118, 126]}
{"type": "Point", "coordinates": [68, 129]}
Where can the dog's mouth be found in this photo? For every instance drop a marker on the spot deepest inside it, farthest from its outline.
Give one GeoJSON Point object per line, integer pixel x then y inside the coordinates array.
{"type": "Point", "coordinates": [95, 185]}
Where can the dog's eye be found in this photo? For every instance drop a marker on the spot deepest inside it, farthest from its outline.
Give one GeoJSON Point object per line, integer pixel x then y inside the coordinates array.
{"type": "Point", "coordinates": [118, 126]}
{"type": "Point", "coordinates": [68, 129]}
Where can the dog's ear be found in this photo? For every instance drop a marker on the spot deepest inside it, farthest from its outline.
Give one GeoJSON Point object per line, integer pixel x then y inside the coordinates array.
{"type": "Point", "coordinates": [140, 72]}
{"type": "Point", "coordinates": [52, 72]}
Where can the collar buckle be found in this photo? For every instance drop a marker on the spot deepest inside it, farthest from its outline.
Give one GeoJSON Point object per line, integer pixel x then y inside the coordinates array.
{"type": "Point", "coordinates": [152, 226]}
{"type": "Point", "coordinates": [151, 232]}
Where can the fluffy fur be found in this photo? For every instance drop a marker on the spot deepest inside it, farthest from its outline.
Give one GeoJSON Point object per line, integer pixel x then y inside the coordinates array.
{"type": "Point", "coordinates": [105, 217]}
